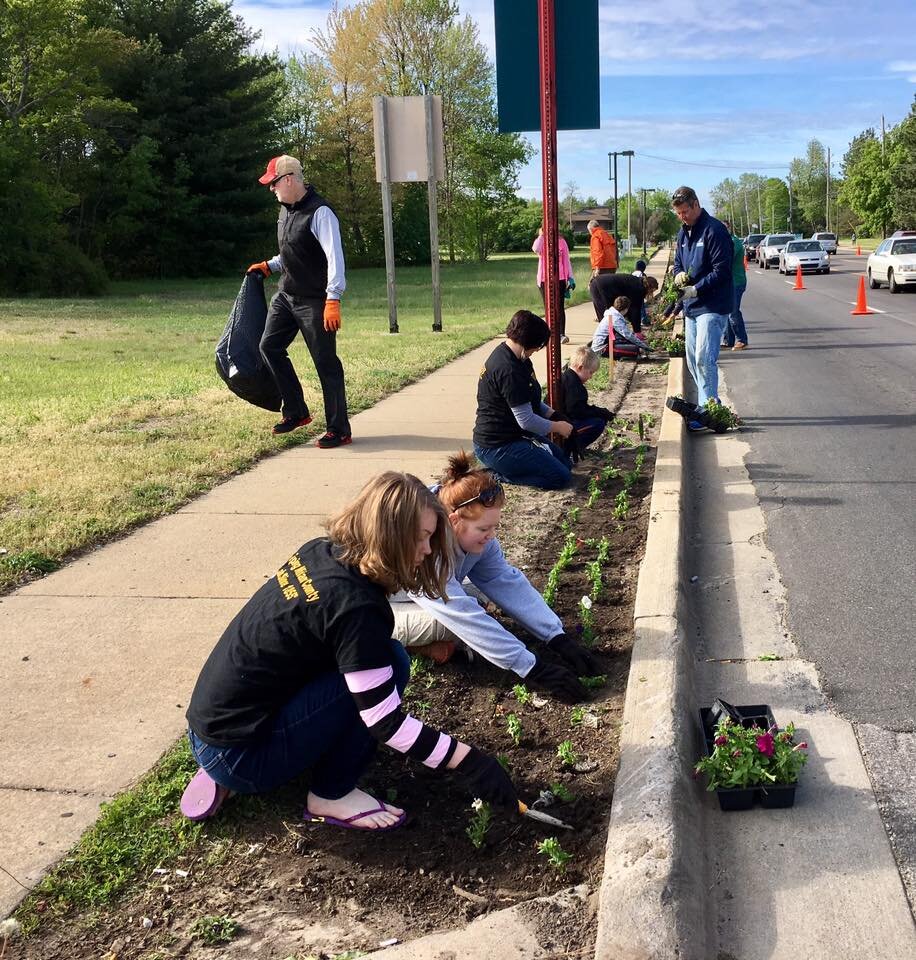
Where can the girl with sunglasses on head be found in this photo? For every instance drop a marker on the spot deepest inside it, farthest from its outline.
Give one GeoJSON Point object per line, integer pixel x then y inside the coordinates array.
{"type": "Point", "coordinates": [307, 675]}
{"type": "Point", "coordinates": [434, 625]}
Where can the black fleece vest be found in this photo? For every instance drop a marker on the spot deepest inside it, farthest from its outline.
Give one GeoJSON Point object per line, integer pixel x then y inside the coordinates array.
{"type": "Point", "coordinates": [305, 267]}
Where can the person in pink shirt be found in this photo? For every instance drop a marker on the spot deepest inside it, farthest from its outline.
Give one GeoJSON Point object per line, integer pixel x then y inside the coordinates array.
{"type": "Point", "coordinates": [566, 276]}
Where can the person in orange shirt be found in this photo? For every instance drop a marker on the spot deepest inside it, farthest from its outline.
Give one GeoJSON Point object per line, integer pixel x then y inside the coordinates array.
{"type": "Point", "coordinates": [603, 249]}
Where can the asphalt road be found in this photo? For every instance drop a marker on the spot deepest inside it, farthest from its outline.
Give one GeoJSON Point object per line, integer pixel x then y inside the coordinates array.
{"type": "Point", "coordinates": [829, 403]}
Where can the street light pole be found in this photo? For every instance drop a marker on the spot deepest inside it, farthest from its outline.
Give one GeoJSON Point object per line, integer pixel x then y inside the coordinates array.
{"type": "Point", "coordinates": [613, 176]}
{"type": "Point", "coordinates": [629, 192]}
{"type": "Point", "coordinates": [644, 190]}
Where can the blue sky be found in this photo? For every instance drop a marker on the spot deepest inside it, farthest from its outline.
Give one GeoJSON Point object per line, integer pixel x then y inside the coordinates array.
{"type": "Point", "coordinates": [719, 86]}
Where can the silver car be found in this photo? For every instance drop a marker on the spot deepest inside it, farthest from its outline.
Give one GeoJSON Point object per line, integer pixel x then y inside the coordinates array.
{"type": "Point", "coordinates": [826, 240]}
{"type": "Point", "coordinates": [807, 254]}
{"type": "Point", "coordinates": [770, 246]}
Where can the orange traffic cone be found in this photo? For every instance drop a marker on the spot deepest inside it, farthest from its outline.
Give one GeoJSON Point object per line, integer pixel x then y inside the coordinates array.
{"type": "Point", "coordinates": [858, 250]}
{"type": "Point", "coordinates": [745, 261]}
{"type": "Point", "coordinates": [861, 306]}
{"type": "Point", "coordinates": [799, 282]}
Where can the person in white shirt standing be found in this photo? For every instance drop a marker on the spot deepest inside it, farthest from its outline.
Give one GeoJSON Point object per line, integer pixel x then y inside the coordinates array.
{"type": "Point", "coordinates": [311, 266]}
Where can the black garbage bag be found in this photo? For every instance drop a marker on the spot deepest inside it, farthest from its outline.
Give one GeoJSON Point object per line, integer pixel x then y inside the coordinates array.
{"type": "Point", "coordinates": [238, 355]}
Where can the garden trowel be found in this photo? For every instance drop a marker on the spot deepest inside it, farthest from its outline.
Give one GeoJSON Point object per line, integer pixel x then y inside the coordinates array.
{"type": "Point", "coordinates": [526, 811]}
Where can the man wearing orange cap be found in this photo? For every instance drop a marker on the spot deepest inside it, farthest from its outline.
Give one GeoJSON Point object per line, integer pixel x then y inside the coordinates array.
{"type": "Point", "coordinates": [311, 267]}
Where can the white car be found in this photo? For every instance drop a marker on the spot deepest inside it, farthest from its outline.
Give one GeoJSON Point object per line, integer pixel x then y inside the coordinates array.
{"type": "Point", "coordinates": [807, 254]}
{"type": "Point", "coordinates": [893, 263]}
{"type": "Point", "coordinates": [770, 246]}
{"type": "Point", "coordinates": [826, 240]}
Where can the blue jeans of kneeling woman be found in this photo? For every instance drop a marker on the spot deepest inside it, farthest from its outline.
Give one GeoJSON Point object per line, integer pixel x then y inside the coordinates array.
{"type": "Point", "coordinates": [540, 464]}
{"type": "Point", "coordinates": [320, 728]}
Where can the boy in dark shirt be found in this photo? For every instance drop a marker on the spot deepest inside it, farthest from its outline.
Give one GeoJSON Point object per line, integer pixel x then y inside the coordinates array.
{"type": "Point", "coordinates": [587, 419]}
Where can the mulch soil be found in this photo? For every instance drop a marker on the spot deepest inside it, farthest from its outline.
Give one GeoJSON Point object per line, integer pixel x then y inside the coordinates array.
{"type": "Point", "coordinates": [297, 891]}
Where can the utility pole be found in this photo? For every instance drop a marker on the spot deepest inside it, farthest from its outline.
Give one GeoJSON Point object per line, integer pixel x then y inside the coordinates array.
{"type": "Point", "coordinates": [827, 227]}
{"type": "Point", "coordinates": [759, 207]}
{"type": "Point", "coordinates": [790, 204]}
{"type": "Point", "coordinates": [883, 221]}
{"type": "Point", "coordinates": [644, 190]}
{"type": "Point", "coordinates": [629, 191]}
{"type": "Point", "coordinates": [612, 175]}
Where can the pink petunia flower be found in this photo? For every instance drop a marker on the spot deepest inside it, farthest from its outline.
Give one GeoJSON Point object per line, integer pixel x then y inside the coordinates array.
{"type": "Point", "coordinates": [721, 741]}
{"type": "Point", "coordinates": [736, 753]}
{"type": "Point", "coordinates": [766, 745]}
{"type": "Point", "coordinates": [801, 746]}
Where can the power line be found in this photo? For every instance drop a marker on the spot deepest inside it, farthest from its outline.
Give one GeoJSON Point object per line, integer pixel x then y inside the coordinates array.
{"type": "Point", "coordinates": [719, 166]}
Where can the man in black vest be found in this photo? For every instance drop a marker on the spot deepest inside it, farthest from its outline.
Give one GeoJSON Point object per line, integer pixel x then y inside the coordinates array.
{"type": "Point", "coordinates": [311, 266]}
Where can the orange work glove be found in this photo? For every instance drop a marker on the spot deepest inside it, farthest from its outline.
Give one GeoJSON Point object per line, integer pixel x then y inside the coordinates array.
{"type": "Point", "coordinates": [331, 315]}
{"type": "Point", "coordinates": [261, 268]}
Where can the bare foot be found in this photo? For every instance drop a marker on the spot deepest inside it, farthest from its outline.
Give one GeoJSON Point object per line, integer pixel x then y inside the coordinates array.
{"type": "Point", "coordinates": [353, 803]}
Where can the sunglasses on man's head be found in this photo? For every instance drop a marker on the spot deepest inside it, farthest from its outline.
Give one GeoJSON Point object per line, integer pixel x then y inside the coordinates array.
{"type": "Point", "coordinates": [486, 497]}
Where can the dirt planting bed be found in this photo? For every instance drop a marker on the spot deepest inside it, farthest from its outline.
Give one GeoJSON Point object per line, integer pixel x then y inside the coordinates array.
{"type": "Point", "coordinates": [274, 888]}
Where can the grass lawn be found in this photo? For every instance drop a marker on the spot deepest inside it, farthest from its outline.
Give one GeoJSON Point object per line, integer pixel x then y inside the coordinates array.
{"type": "Point", "coordinates": [111, 412]}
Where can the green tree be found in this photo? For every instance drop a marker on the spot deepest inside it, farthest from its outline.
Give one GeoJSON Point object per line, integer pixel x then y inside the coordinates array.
{"type": "Point", "coordinates": [202, 126]}
{"type": "Point", "coordinates": [866, 188]}
{"type": "Point", "coordinates": [53, 101]}
{"type": "Point", "coordinates": [809, 187]}
{"type": "Point", "coordinates": [903, 172]}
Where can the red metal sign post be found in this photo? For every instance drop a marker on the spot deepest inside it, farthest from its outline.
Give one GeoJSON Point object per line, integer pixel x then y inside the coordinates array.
{"type": "Point", "coordinates": [547, 56]}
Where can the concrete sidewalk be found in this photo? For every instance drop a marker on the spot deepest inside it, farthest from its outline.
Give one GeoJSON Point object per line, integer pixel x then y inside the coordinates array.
{"type": "Point", "coordinates": [99, 658]}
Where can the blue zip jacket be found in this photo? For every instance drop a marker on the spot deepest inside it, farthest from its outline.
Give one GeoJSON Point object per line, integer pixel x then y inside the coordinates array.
{"type": "Point", "coordinates": [706, 252]}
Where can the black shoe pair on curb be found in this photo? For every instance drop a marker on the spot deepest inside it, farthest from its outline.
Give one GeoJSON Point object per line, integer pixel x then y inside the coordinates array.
{"type": "Point", "coordinates": [696, 417]}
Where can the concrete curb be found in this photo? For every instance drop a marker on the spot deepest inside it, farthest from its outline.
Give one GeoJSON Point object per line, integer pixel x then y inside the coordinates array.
{"type": "Point", "coordinates": [650, 902]}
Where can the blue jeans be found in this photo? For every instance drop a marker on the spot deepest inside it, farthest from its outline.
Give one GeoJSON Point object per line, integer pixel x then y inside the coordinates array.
{"type": "Point", "coordinates": [319, 728]}
{"type": "Point", "coordinates": [734, 329]}
{"type": "Point", "coordinates": [703, 336]}
{"type": "Point", "coordinates": [588, 430]}
{"type": "Point", "coordinates": [523, 462]}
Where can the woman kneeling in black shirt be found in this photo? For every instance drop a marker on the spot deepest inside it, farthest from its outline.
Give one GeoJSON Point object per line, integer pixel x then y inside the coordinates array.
{"type": "Point", "coordinates": [513, 423]}
{"type": "Point", "coordinates": [307, 675]}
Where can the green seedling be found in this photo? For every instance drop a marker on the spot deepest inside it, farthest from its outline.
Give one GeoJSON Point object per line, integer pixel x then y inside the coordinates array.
{"type": "Point", "coordinates": [594, 491]}
{"type": "Point", "coordinates": [503, 761]}
{"type": "Point", "coordinates": [593, 683]}
{"type": "Point", "coordinates": [514, 727]}
{"type": "Point", "coordinates": [587, 618]}
{"type": "Point", "coordinates": [391, 794]}
{"type": "Point", "coordinates": [576, 716]}
{"type": "Point", "coordinates": [567, 754]}
{"type": "Point", "coordinates": [419, 667]}
{"type": "Point", "coordinates": [480, 823]}
{"type": "Point", "coordinates": [562, 792]}
{"type": "Point", "coordinates": [557, 857]}
{"type": "Point", "coordinates": [420, 707]}
{"type": "Point", "coordinates": [609, 473]}
{"type": "Point", "coordinates": [214, 929]}
{"type": "Point", "coordinates": [521, 693]}
{"type": "Point", "coordinates": [621, 505]}
{"type": "Point", "coordinates": [630, 478]}
{"type": "Point", "coordinates": [769, 656]}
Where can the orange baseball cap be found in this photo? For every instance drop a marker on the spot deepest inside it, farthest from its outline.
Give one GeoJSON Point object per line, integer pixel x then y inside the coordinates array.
{"type": "Point", "coordinates": [279, 167]}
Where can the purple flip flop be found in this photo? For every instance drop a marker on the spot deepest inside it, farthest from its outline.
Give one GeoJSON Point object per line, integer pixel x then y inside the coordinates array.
{"type": "Point", "coordinates": [348, 823]}
{"type": "Point", "coordinates": [202, 797]}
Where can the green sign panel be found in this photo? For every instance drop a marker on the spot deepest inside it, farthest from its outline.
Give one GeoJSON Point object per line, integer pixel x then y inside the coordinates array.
{"type": "Point", "coordinates": [518, 80]}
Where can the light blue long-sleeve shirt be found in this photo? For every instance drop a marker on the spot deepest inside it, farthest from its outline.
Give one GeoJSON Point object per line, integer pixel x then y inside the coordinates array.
{"type": "Point", "coordinates": [507, 587]}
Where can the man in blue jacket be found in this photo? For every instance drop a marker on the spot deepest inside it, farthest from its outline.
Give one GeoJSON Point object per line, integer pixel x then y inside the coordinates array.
{"type": "Point", "coordinates": [703, 271]}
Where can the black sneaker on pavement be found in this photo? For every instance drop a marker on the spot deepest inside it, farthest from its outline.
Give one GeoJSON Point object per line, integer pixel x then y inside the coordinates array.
{"type": "Point", "coordinates": [288, 424]}
{"type": "Point", "coordinates": [333, 439]}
